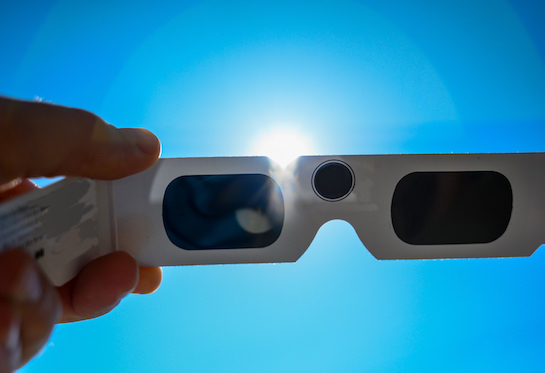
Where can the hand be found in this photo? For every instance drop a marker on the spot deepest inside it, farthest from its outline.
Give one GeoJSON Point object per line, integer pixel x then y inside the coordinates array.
{"type": "Point", "coordinates": [40, 139]}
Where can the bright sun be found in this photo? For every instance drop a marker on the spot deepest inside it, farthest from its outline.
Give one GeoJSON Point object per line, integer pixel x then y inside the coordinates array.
{"type": "Point", "coordinates": [283, 145]}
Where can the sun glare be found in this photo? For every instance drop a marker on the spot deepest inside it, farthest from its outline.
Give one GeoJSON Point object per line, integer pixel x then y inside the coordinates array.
{"type": "Point", "coordinates": [283, 145]}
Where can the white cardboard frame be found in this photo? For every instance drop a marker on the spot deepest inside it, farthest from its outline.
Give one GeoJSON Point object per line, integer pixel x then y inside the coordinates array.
{"type": "Point", "coordinates": [126, 214]}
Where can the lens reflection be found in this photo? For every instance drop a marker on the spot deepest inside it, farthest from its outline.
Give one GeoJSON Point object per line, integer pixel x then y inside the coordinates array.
{"type": "Point", "coordinates": [223, 211]}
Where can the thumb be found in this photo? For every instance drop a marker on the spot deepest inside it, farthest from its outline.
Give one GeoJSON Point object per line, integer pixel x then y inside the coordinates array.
{"type": "Point", "coordinates": [40, 139]}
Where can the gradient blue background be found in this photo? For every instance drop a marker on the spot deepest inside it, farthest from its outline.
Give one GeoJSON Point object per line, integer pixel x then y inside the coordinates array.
{"type": "Point", "coordinates": [357, 77]}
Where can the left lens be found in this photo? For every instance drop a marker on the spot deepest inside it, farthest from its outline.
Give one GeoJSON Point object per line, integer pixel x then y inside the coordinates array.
{"type": "Point", "coordinates": [223, 211]}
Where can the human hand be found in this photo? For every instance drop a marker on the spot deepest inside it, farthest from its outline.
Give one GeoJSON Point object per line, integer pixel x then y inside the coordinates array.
{"type": "Point", "coordinates": [40, 139]}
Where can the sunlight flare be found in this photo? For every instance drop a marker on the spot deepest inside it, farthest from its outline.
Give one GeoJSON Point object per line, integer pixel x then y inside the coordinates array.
{"type": "Point", "coordinates": [283, 145]}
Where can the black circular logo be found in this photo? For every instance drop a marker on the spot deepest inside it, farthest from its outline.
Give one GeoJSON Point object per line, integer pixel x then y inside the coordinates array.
{"type": "Point", "coordinates": [333, 180]}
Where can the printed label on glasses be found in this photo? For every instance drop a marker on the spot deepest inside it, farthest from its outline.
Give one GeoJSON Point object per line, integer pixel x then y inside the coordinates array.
{"type": "Point", "coordinates": [63, 218]}
{"type": "Point", "coordinates": [58, 225]}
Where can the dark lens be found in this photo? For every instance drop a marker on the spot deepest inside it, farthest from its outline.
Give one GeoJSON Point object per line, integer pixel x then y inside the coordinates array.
{"type": "Point", "coordinates": [333, 181]}
{"type": "Point", "coordinates": [438, 208]}
{"type": "Point", "coordinates": [223, 211]}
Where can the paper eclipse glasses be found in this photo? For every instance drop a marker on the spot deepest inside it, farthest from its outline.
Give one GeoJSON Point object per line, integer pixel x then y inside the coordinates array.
{"type": "Point", "coordinates": [185, 211]}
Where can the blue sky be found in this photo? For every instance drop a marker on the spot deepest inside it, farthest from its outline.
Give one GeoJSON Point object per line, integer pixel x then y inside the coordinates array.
{"type": "Point", "coordinates": [355, 77]}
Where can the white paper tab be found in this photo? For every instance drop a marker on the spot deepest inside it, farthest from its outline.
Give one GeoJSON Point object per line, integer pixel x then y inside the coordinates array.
{"type": "Point", "coordinates": [60, 225]}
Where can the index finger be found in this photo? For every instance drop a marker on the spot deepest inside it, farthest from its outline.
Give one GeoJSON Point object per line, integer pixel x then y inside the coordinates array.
{"type": "Point", "coordinates": [41, 139]}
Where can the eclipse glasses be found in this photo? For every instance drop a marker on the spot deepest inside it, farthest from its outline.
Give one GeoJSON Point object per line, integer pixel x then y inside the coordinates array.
{"type": "Point", "coordinates": [221, 210]}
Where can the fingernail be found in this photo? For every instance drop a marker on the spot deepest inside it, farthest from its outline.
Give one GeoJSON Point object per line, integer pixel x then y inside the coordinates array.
{"type": "Point", "coordinates": [143, 139]}
{"type": "Point", "coordinates": [11, 341]}
{"type": "Point", "coordinates": [29, 286]}
{"type": "Point", "coordinates": [10, 185]}
{"type": "Point", "coordinates": [9, 330]}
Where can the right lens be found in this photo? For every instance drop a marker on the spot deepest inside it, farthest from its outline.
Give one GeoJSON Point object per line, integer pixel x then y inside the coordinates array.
{"type": "Point", "coordinates": [438, 208]}
{"type": "Point", "coordinates": [223, 211]}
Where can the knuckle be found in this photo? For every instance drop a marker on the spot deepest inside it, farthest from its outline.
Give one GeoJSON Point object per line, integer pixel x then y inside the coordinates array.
{"type": "Point", "coordinates": [14, 145]}
{"type": "Point", "coordinates": [40, 139]}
